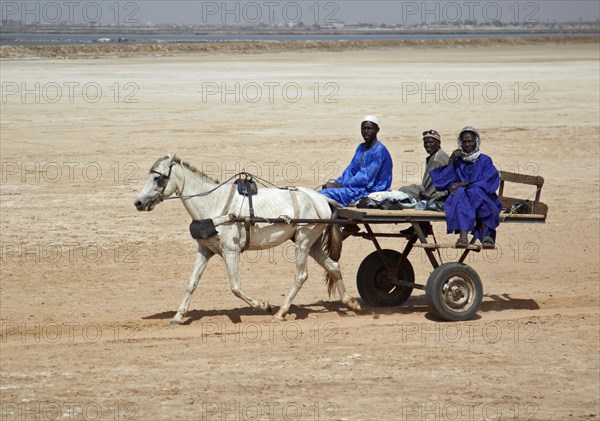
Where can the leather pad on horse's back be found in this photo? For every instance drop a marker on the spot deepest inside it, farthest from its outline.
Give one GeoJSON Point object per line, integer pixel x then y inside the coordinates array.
{"type": "Point", "coordinates": [246, 187]}
{"type": "Point", "coordinates": [203, 229]}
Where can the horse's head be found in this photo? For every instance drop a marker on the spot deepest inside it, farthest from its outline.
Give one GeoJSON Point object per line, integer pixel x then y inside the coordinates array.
{"type": "Point", "coordinates": [158, 185]}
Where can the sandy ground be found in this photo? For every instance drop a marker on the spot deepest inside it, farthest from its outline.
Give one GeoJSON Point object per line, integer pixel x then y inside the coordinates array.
{"type": "Point", "coordinates": [88, 284]}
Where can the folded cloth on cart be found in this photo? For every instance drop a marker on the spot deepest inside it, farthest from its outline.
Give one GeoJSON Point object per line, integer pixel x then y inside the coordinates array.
{"type": "Point", "coordinates": [390, 200]}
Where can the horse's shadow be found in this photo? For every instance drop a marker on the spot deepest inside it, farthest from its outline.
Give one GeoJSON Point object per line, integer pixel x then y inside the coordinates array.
{"type": "Point", "coordinates": [416, 304]}
{"type": "Point", "coordinates": [235, 315]}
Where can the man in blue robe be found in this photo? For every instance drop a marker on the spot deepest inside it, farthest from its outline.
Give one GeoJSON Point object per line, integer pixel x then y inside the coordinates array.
{"type": "Point", "coordinates": [369, 171]}
{"type": "Point", "coordinates": [471, 181]}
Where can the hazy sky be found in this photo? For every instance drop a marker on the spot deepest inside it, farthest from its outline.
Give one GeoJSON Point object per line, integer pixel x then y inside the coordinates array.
{"type": "Point", "coordinates": [307, 11]}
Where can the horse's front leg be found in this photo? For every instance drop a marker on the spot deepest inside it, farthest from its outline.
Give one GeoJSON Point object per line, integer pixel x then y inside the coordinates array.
{"type": "Point", "coordinates": [232, 262]}
{"type": "Point", "coordinates": [202, 257]}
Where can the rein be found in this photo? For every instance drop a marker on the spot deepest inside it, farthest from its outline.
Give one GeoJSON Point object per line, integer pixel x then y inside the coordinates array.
{"type": "Point", "coordinates": [189, 196]}
{"type": "Point", "coordinates": [205, 228]}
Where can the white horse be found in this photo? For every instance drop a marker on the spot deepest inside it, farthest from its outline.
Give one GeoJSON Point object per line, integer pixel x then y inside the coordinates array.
{"type": "Point", "coordinates": [322, 242]}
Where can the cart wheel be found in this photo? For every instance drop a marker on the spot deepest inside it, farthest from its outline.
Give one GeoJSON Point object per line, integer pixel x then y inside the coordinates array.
{"type": "Point", "coordinates": [376, 287]}
{"type": "Point", "coordinates": [454, 291]}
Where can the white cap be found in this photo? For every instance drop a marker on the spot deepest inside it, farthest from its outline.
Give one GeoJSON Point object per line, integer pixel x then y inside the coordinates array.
{"type": "Point", "coordinates": [372, 119]}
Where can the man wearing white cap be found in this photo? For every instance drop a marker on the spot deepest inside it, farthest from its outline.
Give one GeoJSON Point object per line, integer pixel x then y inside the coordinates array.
{"type": "Point", "coordinates": [369, 171]}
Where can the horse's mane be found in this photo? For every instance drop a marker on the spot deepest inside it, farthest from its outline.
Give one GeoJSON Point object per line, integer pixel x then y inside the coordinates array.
{"type": "Point", "coordinates": [189, 167]}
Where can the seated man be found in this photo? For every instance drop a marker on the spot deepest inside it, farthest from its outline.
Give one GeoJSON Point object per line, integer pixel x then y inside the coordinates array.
{"type": "Point", "coordinates": [437, 158]}
{"type": "Point", "coordinates": [471, 181]}
{"type": "Point", "coordinates": [369, 171]}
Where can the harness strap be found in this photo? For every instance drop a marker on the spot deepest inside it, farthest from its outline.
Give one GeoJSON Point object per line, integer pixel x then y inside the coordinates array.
{"type": "Point", "coordinates": [250, 205]}
{"type": "Point", "coordinates": [247, 225]}
{"type": "Point", "coordinates": [249, 221]}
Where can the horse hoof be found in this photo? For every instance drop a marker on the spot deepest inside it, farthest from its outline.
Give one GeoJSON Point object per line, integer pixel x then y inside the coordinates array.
{"type": "Point", "coordinates": [279, 317]}
{"type": "Point", "coordinates": [353, 304]}
{"type": "Point", "coordinates": [175, 322]}
{"type": "Point", "coordinates": [266, 307]}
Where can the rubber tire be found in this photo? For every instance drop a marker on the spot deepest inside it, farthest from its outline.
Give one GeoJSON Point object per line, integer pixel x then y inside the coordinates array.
{"type": "Point", "coordinates": [372, 275]}
{"type": "Point", "coordinates": [466, 279]}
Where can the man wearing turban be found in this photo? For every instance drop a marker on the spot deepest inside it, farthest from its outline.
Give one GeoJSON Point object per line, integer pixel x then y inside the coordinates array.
{"type": "Point", "coordinates": [471, 181]}
{"type": "Point", "coordinates": [436, 158]}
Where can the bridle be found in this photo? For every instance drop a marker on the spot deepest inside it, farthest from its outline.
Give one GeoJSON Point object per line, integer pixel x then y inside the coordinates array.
{"type": "Point", "coordinates": [163, 179]}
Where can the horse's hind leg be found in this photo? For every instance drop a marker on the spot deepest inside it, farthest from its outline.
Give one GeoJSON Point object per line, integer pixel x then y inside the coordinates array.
{"type": "Point", "coordinates": [333, 269]}
{"type": "Point", "coordinates": [202, 257]}
{"type": "Point", "coordinates": [302, 244]}
{"type": "Point", "coordinates": [232, 262]}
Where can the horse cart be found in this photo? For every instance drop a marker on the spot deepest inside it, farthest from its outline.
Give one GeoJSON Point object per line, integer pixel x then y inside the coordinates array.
{"type": "Point", "coordinates": [230, 218]}
{"type": "Point", "coordinates": [453, 290]}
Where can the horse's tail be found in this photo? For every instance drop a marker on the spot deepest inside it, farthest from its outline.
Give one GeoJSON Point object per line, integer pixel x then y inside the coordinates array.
{"type": "Point", "coordinates": [331, 243]}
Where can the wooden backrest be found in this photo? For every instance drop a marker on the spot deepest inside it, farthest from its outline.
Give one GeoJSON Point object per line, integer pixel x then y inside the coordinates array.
{"type": "Point", "coordinates": [538, 207]}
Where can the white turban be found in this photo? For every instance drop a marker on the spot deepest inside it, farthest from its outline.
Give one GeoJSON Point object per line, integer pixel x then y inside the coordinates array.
{"type": "Point", "coordinates": [372, 119]}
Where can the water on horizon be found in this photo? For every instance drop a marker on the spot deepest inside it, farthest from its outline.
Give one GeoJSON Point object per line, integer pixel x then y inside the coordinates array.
{"type": "Point", "coordinates": [16, 39]}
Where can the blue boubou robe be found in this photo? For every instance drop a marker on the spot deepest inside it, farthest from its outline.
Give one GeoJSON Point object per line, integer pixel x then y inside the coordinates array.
{"type": "Point", "coordinates": [471, 206]}
{"type": "Point", "coordinates": [369, 171]}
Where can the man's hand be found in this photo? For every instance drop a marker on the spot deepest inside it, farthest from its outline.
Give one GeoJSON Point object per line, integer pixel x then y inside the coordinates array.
{"type": "Point", "coordinates": [456, 154]}
{"type": "Point", "coordinates": [455, 186]}
{"type": "Point", "coordinates": [332, 185]}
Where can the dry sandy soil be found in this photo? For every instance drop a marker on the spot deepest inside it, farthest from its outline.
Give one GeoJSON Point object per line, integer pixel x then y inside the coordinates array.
{"type": "Point", "coordinates": [88, 284]}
